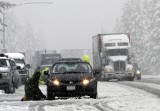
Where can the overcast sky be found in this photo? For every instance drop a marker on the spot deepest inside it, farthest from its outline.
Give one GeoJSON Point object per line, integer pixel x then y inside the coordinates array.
{"type": "Point", "coordinates": [69, 24]}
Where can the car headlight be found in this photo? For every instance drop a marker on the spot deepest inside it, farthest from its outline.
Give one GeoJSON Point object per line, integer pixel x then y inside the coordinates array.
{"type": "Point", "coordinates": [138, 72]}
{"type": "Point", "coordinates": [129, 69]}
{"type": "Point", "coordinates": [5, 74]}
{"type": "Point", "coordinates": [56, 82]}
{"type": "Point", "coordinates": [85, 82]}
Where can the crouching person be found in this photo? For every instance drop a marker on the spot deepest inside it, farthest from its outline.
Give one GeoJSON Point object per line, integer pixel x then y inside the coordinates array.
{"type": "Point", "coordinates": [32, 91]}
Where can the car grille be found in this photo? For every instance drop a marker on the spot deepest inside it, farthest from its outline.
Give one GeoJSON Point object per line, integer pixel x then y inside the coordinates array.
{"type": "Point", "coordinates": [119, 66]}
{"type": "Point", "coordinates": [70, 82]}
{"type": "Point", "coordinates": [22, 71]}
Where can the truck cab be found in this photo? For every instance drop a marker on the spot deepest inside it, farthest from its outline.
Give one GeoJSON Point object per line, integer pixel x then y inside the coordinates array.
{"type": "Point", "coordinates": [111, 54]}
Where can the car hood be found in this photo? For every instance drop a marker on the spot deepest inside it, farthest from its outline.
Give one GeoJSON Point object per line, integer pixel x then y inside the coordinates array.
{"type": "Point", "coordinates": [71, 77]}
{"type": "Point", "coordinates": [4, 69]}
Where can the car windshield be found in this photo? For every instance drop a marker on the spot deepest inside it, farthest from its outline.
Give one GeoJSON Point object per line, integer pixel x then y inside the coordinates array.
{"type": "Point", "coordinates": [21, 61]}
{"type": "Point", "coordinates": [71, 67]}
{"type": "Point", "coordinates": [3, 63]}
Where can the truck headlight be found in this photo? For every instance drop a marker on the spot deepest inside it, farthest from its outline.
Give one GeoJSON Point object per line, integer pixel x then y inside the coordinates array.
{"type": "Point", "coordinates": [129, 69]}
{"type": "Point", "coordinates": [5, 74]}
{"type": "Point", "coordinates": [85, 82]}
{"type": "Point", "coordinates": [108, 70]}
{"type": "Point", "coordinates": [138, 72]}
{"type": "Point", "coordinates": [56, 82]}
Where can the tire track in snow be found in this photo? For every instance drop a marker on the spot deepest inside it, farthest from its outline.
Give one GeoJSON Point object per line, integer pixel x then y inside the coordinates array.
{"type": "Point", "coordinates": [142, 87]}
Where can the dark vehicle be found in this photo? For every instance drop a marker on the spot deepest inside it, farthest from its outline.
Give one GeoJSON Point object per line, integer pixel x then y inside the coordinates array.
{"type": "Point", "coordinates": [70, 59]}
{"type": "Point", "coordinates": [71, 79]}
{"type": "Point", "coordinates": [137, 71]}
{"type": "Point", "coordinates": [9, 75]}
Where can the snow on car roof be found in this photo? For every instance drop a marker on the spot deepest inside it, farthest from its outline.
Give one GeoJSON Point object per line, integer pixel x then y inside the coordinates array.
{"type": "Point", "coordinates": [15, 55]}
{"type": "Point", "coordinates": [3, 58]}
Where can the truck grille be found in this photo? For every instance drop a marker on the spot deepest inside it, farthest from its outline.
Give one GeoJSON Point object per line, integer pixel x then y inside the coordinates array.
{"type": "Point", "coordinates": [119, 66]}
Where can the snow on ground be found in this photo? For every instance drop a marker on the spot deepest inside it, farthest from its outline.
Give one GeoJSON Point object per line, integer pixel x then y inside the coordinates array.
{"type": "Point", "coordinates": [111, 97]}
{"type": "Point", "coordinates": [151, 76]}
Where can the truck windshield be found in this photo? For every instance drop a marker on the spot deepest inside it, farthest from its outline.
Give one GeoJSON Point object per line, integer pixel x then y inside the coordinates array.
{"type": "Point", "coordinates": [71, 67]}
{"type": "Point", "coordinates": [21, 61]}
{"type": "Point", "coordinates": [116, 52]}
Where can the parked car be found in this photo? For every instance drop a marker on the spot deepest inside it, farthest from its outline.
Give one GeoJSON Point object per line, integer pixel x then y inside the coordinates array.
{"type": "Point", "coordinates": [71, 79]}
{"type": "Point", "coordinates": [20, 61]}
{"type": "Point", "coordinates": [9, 75]}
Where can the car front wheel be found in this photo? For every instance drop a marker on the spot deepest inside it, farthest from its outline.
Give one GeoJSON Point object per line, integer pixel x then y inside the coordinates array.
{"type": "Point", "coordinates": [10, 89]}
{"type": "Point", "coordinates": [94, 96]}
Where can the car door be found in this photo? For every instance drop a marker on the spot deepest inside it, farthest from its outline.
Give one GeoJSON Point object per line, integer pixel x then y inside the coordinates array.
{"type": "Point", "coordinates": [15, 73]}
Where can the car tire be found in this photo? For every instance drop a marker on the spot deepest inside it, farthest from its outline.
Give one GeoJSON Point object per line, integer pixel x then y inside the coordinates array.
{"type": "Point", "coordinates": [94, 96]}
{"type": "Point", "coordinates": [138, 78]}
{"type": "Point", "coordinates": [10, 89]}
{"type": "Point", "coordinates": [50, 96]}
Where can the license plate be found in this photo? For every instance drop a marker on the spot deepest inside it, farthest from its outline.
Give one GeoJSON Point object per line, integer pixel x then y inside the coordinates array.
{"type": "Point", "coordinates": [71, 88]}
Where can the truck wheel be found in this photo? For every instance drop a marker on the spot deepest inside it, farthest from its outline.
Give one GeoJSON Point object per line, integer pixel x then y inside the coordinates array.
{"type": "Point", "coordinates": [10, 89]}
{"type": "Point", "coordinates": [131, 79]}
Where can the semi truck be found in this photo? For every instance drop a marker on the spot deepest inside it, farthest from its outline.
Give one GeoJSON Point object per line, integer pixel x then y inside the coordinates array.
{"type": "Point", "coordinates": [112, 56]}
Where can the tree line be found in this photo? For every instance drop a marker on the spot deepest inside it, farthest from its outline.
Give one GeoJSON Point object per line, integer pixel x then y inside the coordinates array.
{"type": "Point", "coordinates": [141, 18]}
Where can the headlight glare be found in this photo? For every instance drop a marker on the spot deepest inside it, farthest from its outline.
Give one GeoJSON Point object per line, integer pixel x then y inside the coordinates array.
{"type": "Point", "coordinates": [85, 82]}
{"type": "Point", "coordinates": [138, 72]}
{"type": "Point", "coordinates": [56, 82]}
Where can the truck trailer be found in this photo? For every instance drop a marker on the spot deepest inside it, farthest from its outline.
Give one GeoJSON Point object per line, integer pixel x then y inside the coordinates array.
{"type": "Point", "coordinates": [46, 58]}
{"type": "Point", "coordinates": [111, 55]}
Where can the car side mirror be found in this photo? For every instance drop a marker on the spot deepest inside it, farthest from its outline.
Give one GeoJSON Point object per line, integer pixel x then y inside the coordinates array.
{"type": "Point", "coordinates": [46, 72]}
{"type": "Point", "coordinates": [28, 66]}
{"type": "Point", "coordinates": [18, 67]}
{"type": "Point", "coordinates": [96, 72]}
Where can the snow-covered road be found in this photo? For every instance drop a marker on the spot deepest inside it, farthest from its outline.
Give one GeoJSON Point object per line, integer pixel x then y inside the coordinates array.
{"type": "Point", "coordinates": [112, 96]}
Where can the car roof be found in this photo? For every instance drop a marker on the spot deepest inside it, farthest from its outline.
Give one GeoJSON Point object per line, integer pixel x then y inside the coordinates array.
{"type": "Point", "coordinates": [71, 62]}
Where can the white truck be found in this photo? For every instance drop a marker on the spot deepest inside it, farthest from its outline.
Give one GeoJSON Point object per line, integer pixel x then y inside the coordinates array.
{"type": "Point", "coordinates": [20, 61]}
{"type": "Point", "coordinates": [111, 55]}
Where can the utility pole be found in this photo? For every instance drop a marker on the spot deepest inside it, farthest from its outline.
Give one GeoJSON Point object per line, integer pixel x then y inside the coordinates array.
{"type": "Point", "coordinates": [4, 50]}
{"type": "Point", "coordinates": [3, 30]}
